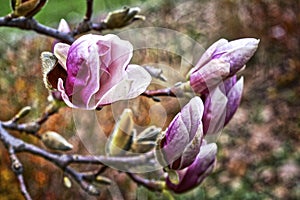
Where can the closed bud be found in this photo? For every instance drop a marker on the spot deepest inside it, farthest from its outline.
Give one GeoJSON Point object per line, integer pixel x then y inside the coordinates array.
{"type": "Point", "coordinates": [120, 139]}
{"type": "Point", "coordinates": [55, 141]}
{"type": "Point", "coordinates": [91, 189]}
{"type": "Point", "coordinates": [194, 174]}
{"type": "Point", "coordinates": [103, 180]}
{"type": "Point", "coordinates": [122, 17]}
{"type": "Point", "coordinates": [180, 143]}
{"type": "Point", "coordinates": [63, 26]}
{"type": "Point", "coordinates": [155, 72]}
{"type": "Point", "coordinates": [67, 182]}
{"type": "Point", "coordinates": [146, 140]}
{"type": "Point", "coordinates": [220, 61]}
{"type": "Point", "coordinates": [26, 8]}
{"type": "Point", "coordinates": [149, 134]}
{"type": "Point", "coordinates": [22, 113]}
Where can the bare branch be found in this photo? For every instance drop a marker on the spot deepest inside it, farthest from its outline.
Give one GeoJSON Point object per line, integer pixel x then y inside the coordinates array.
{"type": "Point", "coordinates": [79, 178]}
{"type": "Point", "coordinates": [160, 92]}
{"type": "Point", "coordinates": [63, 160]}
{"type": "Point", "coordinates": [152, 185]}
{"type": "Point", "coordinates": [89, 10]}
{"type": "Point", "coordinates": [17, 168]}
{"type": "Point", "coordinates": [31, 127]}
{"type": "Point", "coordinates": [32, 24]}
{"type": "Point", "coordinates": [23, 187]}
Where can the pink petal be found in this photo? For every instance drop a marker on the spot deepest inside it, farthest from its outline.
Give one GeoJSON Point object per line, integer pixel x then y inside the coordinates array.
{"type": "Point", "coordinates": [61, 52]}
{"type": "Point", "coordinates": [134, 82]}
{"type": "Point", "coordinates": [209, 76]}
{"type": "Point", "coordinates": [208, 54]}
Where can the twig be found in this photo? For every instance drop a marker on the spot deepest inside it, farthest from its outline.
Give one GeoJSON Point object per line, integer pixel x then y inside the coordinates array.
{"type": "Point", "coordinates": [17, 168]}
{"type": "Point", "coordinates": [32, 24]}
{"type": "Point", "coordinates": [63, 160]}
{"type": "Point", "coordinates": [79, 178]}
{"type": "Point", "coordinates": [152, 185]}
{"type": "Point", "coordinates": [178, 90]}
{"type": "Point", "coordinates": [31, 127]}
{"type": "Point", "coordinates": [89, 10]}
{"type": "Point", "coordinates": [160, 92]}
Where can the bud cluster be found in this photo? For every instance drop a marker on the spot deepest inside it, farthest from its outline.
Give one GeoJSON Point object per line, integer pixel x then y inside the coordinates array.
{"type": "Point", "coordinates": [94, 71]}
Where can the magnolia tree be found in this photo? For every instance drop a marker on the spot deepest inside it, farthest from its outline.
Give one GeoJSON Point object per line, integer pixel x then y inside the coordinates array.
{"type": "Point", "coordinates": [87, 72]}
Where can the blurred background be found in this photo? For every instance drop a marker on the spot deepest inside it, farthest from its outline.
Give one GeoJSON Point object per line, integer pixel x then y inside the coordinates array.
{"type": "Point", "coordinates": [259, 155]}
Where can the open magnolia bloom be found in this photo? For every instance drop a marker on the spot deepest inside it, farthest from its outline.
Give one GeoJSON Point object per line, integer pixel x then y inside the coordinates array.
{"type": "Point", "coordinates": [98, 71]}
{"type": "Point", "coordinates": [220, 61]}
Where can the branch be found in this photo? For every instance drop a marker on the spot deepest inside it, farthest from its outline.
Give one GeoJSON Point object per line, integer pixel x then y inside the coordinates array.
{"type": "Point", "coordinates": [17, 168]}
{"type": "Point", "coordinates": [63, 160]}
{"type": "Point", "coordinates": [89, 10]}
{"type": "Point", "coordinates": [79, 178]}
{"type": "Point", "coordinates": [32, 24]}
{"type": "Point", "coordinates": [160, 92]}
{"type": "Point", "coordinates": [179, 90]}
{"type": "Point", "coordinates": [85, 26]}
{"type": "Point", "coordinates": [31, 127]}
{"type": "Point", "coordinates": [152, 185]}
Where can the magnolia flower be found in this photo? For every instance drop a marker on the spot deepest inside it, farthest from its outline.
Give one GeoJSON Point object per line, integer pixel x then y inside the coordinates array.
{"type": "Point", "coordinates": [181, 142]}
{"type": "Point", "coordinates": [221, 104]}
{"type": "Point", "coordinates": [194, 174]}
{"type": "Point", "coordinates": [221, 61]}
{"type": "Point", "coordinates": [98, 71]}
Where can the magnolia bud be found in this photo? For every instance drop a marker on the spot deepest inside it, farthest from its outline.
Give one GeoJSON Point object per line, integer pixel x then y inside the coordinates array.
{"type": "Point", "coordinates": [103, 180]}
{"type": "Point", "coordinates": [194, 174]}
{"type": "Point", "coordinates": [121, 138]}
{"type": "Point", "coordinates": [54, 141]}
{"type": "Point", "coordinates": [155, 72]}
{"type": "Point", "coordinates": [67, 182]}
{"type": "Point", "coordinates": [22, 113]}
{"type": "Point", "coordinates": [91, 189]}
{"type": "Point", "coordinates": [220, 61]}
{"type": "Point", "coordinates": [180, 143]}
{"type": "Point", "coordinates": [146, 140]}
{"type": "Point", "coordinates": [122, 17]}
{"type": "Point", "coordinates": [26, 8]}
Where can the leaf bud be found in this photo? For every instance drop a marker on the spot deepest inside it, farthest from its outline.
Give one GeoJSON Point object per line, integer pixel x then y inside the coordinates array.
{"type": "Point", "coordinates": [26, 8]}
{"type": "Point", "coordinates": [122, 17]}
{"type": "Point", "coordinates": [121, 138]}
{"type": "Point", "coordinates": [55, 141]}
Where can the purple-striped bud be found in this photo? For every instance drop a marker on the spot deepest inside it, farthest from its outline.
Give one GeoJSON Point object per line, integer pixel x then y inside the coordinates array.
{"type": "Point", "coordinates": [234, 90]}
{"type": "Point", "coordinates": [179, 145]}
{"type": "Point", "coordinates": [221, 104]}
{"type": "Point", "coordinates": [221, 60]}
{"type": "Point", "coordinates": [194, 174]}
